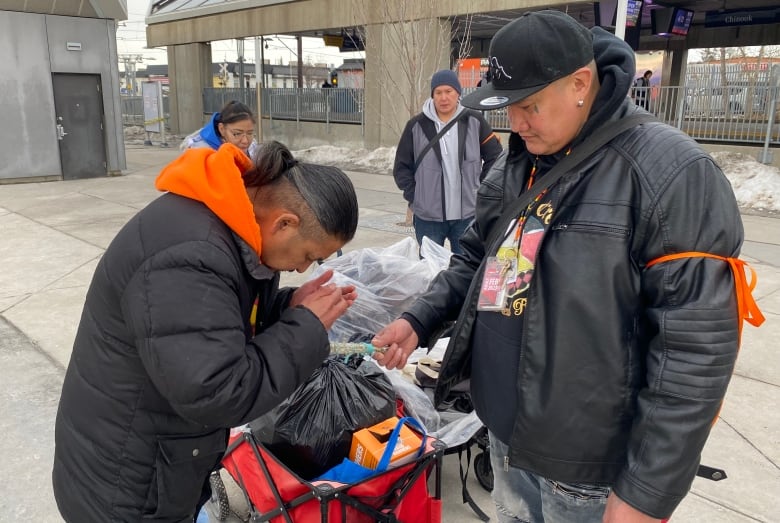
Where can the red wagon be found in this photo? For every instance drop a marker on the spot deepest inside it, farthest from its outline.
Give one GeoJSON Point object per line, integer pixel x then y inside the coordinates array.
{"type": "Point", "coordinates": [276, 494]}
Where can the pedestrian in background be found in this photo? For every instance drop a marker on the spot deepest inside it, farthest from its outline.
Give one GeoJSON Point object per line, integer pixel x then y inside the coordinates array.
{"type": "Point", "coordinates": [596, 313]}
{"type": "Point", "coordinates": [441, 158]}
{"type": "Point", "coordinates": [234, 123]}
{"type": "Point", "coordinates": [641, 90]}
{"type": "Point", "coordinates": [186, 333]}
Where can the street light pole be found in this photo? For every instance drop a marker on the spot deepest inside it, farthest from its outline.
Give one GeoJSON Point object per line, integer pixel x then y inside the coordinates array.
{"type": "Point", "coordinates": [259, 84]}
{"type": "Point", "coordinates": [129, 61]}
{"type": "Point", "coordinates": [262, 60]}
{"type": "Point", "coordinates": [240, 49]}
{"type": "Point", "coordinates": [300, 60]}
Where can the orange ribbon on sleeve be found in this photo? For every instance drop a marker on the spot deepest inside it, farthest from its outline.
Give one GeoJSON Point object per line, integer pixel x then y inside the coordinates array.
{"type": "Point", "coordinates": [747, 308]}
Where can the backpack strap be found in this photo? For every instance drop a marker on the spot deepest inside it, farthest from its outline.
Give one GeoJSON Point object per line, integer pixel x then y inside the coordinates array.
{"type": "Point", "coordinates": [464, 492]}
{"type": "Point", "coordinates": [433, 141]}
{"type": "Point", "coordinates": [600, 137]}
{"type": "Point", "coordinates": [747, 308]}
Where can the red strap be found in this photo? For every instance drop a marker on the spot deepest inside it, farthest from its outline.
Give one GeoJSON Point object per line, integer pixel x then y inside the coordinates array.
{"type": "Point", "coordinates": [746, 306]}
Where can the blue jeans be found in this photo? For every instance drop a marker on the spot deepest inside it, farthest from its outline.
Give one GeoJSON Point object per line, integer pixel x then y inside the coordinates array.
{"type": "Point", "coordinates": [438, 231]}
{"type": "Point", "coordinates": [520, 495]}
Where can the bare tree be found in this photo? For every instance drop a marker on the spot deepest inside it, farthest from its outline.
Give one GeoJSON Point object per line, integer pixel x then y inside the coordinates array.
{"type": "Point", "coordinates": [724, 82]}
{"type": "Point", "coordinates": [314, 74]}
{"type": "Point", "coordinates": [742, 74]}
{"type": "Point", "coordinates": [756, 68]}
{"type": "Point", "coordinates": [461, 31]}
{"type": "Point", "coordinates": [710, 54]}
{"type": "Point", "coordinates": [414, 40]}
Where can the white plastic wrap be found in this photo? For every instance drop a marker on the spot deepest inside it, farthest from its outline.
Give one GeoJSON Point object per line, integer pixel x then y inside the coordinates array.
{"type": "Point", "coordinates": [387, 280]}
{"type": "Point", "coordinates": [460, 430]}
{"type": "Point", "coordinates": [417, 404]}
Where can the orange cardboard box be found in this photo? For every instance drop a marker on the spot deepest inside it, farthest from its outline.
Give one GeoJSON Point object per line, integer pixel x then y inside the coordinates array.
{"type": "Point", "coordinates": [369, 444]}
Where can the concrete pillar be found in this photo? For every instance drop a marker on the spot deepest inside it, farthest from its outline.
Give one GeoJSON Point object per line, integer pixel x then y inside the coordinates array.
{"type": "Point", "coordinates": [673, 73]}
{"type": "Point", "coordinates": [677, 63]}
{"type": "Point", "coordinates": [391, 82]}
{"type": "Point", "coordinates": [189, 71]}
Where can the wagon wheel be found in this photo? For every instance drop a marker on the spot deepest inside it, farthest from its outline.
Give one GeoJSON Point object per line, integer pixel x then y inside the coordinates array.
{"type": "Point", "coordinates": [483, 470]}
{"type": "Point", "coordinates": [219, 496]}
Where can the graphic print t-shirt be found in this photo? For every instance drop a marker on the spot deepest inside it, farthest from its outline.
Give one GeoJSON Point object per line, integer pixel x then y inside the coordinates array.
{"type": "Point", "coordinates": [497, 335]}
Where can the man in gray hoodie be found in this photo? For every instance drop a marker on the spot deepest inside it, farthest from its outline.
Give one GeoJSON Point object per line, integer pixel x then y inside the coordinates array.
{"type": "Point", "coordinates": [439, 173]}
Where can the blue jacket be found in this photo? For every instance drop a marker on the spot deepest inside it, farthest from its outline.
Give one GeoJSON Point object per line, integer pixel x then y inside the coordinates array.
{"type": "Point", "coordinates": [208, 136]}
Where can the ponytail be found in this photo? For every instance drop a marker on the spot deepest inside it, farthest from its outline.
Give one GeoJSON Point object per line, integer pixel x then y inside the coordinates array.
{"type": "Point", "coordinates": [316, 193]}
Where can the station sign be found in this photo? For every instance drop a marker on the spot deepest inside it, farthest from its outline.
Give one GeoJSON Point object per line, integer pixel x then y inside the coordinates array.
{"type": "Point", "coordinates": [732, 17]}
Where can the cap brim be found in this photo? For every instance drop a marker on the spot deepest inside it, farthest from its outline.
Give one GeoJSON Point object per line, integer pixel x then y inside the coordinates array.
{"type": "Point", "coordinates": [488, 97]}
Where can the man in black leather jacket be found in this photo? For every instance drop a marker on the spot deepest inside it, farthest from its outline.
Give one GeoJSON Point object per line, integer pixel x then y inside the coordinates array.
{"type": "Point", "coordinates": [597, 372]}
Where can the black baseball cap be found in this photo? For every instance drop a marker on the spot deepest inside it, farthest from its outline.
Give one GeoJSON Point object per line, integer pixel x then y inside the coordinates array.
{"type": "Point", "coordinates": [528, 54]}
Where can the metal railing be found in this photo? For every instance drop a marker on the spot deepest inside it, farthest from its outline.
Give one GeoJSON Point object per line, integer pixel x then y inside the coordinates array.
{"type": "Point", "coordinates": [330, 105]}
{"type": "Point", "coordinates": [214, 99]}
{"type": "Point", "coordinates": [748, 114]}
{"type": "Point", "coordinates": [709, 113]}
{"type": "Point", "coordinates": [133, 109]}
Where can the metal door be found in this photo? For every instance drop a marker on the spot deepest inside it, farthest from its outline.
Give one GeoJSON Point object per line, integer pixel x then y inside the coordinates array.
{"type": "Point", "coordinates": [78, 103]}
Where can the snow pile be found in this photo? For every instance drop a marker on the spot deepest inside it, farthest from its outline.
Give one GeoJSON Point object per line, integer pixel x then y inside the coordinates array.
{"type": "Point", "coordinates": [378, 161]}
{"type": "Point", "coordinates": [756, 186]}
{"type": "Point", "coordinates": [134, 132]}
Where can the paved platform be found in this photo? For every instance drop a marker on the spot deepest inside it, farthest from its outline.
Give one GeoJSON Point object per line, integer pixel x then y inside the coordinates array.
{"type": "Point", "coordinates": [53, 235]}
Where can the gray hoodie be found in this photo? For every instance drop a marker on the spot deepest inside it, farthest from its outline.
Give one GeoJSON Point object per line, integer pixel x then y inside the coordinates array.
{"type": "Point", "coordinates": [450, 162]}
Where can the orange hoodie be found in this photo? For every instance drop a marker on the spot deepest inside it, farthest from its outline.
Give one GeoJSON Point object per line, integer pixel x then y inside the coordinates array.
{"type": "Point", "coordinates": [214, 178]}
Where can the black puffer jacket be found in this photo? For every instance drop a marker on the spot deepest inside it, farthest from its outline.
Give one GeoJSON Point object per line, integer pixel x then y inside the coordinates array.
{"type": "Point", "coordinates": [164, 361]}
{"type": "Point", "coordinates": [622, 367]}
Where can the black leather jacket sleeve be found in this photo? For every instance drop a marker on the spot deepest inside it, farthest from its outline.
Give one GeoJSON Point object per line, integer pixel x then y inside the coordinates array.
{"type": "Point", "coordinates": [447, 292]}
{"type": "Point", "coordinates": [490, 145]}
{"type": "Point", "coordinates": [403, 167]}
{"type": "Point", "coordinates": [691, 323]}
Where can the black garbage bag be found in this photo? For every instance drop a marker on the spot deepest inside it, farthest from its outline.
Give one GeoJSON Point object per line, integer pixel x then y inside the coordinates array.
{"type": "Point", "coordinates": [311, 431]}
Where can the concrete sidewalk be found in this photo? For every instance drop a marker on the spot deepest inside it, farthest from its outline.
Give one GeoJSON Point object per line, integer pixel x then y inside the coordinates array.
{"type": "Point", "coordinates": [54, 234]}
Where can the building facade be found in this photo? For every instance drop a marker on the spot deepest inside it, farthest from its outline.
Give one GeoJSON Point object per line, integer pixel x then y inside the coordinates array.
{"type": "Point", "coordinates": [60, 78]}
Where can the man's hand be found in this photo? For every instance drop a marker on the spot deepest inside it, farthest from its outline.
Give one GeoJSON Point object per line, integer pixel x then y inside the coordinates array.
{"type": "Point", "coordinates": [300, 294]}
{"type": "Point", "coordinates": [328, 303]}
{"type": "Point", "coordinates": [618, 511]}
{"type": "Point", "coordinates": [400, 340]}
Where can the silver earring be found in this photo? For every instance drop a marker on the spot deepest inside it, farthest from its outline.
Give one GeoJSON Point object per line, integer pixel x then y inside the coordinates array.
{"type": "Point", "coordinates": [580, 103]}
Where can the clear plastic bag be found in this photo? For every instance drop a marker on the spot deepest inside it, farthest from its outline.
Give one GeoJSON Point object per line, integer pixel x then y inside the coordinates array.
{"type": "Point", "coordinates": [416, 403]}
{"type": "Point", "coordinates": [460, 430]}
{"type": "Point", "coordinates": [387, 280]}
